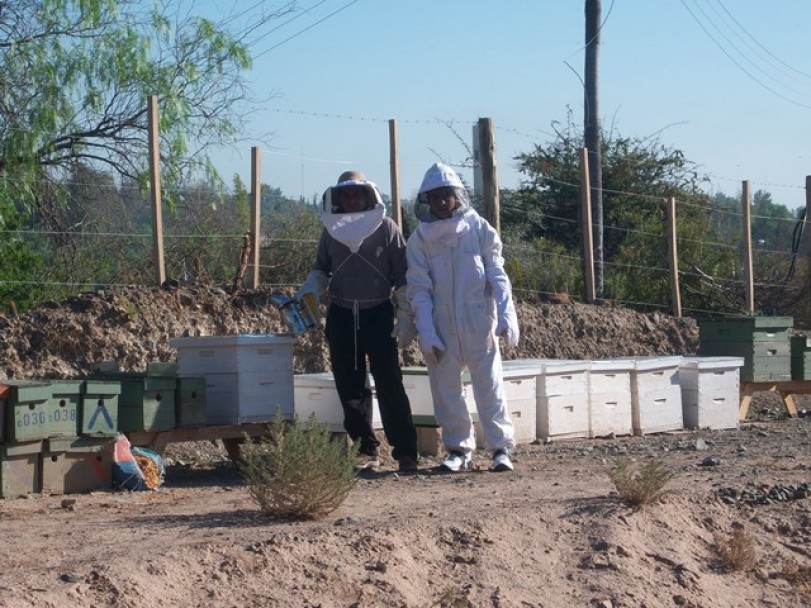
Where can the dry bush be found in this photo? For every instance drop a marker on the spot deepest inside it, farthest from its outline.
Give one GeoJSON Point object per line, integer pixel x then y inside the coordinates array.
{"type": "Point", "coordinates": [642, 486]}
{"type": "Point", "coordinates": [297, 470]}
{"type": "Point", "coordinates": [453, 598]}
{"type": "Point", "coordinates": [737, 552]}
{"type": "Point", "coordinates": [799, 577]}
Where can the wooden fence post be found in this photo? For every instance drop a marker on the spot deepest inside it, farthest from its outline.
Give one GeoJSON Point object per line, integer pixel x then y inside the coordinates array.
{"type": "Point", "coordinates": [155, 188]}
{"type": "Point", "coordinates": [256, 205]}
{"type": "Point", "coordinates": [747, 249]}
{"type": "Point", "coordinates": [805, 228]}
{"type": "Point", "coordinates": [586, 229]}
{"type": "Point", "coordinates": [672, 252]}
{"type": "Point", "coordinates": [396, 211]}
{"type": "Point", "coordinates": [487, 145]}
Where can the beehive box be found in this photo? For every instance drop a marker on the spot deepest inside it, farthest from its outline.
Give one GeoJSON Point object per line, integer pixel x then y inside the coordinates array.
{"type": "Point", "coordinates": [315, 394]}
{"type": "Point", "coordinates": [5, 395]}
{"type": "Point", "coordinates": [563, 400]}
{"type": "Point", "coordinates": [248, 377]}
{"type": "Point", "coordinates": [190, 402]}
{"type": "Point", "coordinates": [77, 464]}
{"type": "Point", "coordinates": [38, 410]}
{"type": "Point", "coordinates": [610, 400]}
{"type": "Point", "coordinates": [762, 342]}
{"type": "Point", "coordinates": [146, 403]}
{"type": "Point", "coordinates": [710, 391]}
{"type": "Point", "coordinates": [20, 469]}
{"type": "Point", "coordinates": [800, 357]}
{"type": "Point", "coordinates": [656, 395]}
{"type": "Point", "coordinates": [520, 390]}
{"type": "Point", "coordinates": [418, 388]}
{"type": "Point", "coordinates": [98, 408]}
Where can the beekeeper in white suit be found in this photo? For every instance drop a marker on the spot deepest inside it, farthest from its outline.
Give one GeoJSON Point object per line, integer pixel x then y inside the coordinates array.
{"type": "Point", "coordinates": [462, 301]}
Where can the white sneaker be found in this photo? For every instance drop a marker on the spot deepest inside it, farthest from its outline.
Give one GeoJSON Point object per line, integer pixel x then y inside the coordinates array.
{"type": "Point", "coordinates": [501, 461]}
{"type": "Point", "coordinates": [457, 461]}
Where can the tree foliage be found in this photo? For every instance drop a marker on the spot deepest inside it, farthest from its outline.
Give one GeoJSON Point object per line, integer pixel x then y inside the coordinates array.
{"type": "Point", "coordinates": [75, 76]}
{"type": "Point", "coordinates": [639, 174]}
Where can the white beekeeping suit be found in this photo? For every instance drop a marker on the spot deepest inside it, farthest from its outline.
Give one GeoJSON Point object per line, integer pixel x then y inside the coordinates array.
{"type": "Point", "coordinates": [462, 301]}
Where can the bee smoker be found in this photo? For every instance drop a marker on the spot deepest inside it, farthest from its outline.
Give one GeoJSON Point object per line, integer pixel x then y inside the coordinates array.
{"type": "Point", "coordinates": [298, 316]}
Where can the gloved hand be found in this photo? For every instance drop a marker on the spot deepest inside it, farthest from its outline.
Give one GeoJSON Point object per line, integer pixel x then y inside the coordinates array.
{"type": "Point", "coordinates": [508, 327]}
{"type": "Point", "coordinates": [431, 348]}
{"type": "Point", "coordinates": [404, 329]}
{"type": "Point", "coordinates": [313, 286]}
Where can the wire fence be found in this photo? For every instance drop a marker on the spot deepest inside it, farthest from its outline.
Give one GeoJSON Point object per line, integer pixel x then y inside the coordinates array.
{"type": "Point", "coordinates": [103, 239]}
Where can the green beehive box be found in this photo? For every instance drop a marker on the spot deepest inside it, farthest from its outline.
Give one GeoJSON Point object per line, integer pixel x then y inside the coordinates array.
{"type": "Point", "coordinates": [77, 464]}
{"type": "Point", "coordinates": [20, 469]}
{"type": "Point", "coordinates": [98, 409]}
{"type": "Point", "coordinates": [5, 395]}
{"type": "Point", "coordinates": [146, 403]}
{"type": "Point", "coordinates": [159, 368]}
{"type": "Point", "coordinates": [190, 408]}
{"type": "Point", "coordinates": [800, 358]}
{"type": "Point", "coordinates": [38, 410]}
{"type": "Point", "coordinates": [763, 342]}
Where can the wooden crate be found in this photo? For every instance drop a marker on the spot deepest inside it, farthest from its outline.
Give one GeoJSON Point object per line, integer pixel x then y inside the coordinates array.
{"type": "Point", "coordinates": [563, 400]}
{"type": "Point", "coordinates": [98, 409]}
{"type": "Point", "coordinates": [248, 377]}
{"type": "Point", "coordinates": [610, 400]}
{"type": "Point", "coordinates": [762, 342]}
{"type": "Point", "coordinates": [146, 403]}
{"type": "Point", "coordinates": [190, 402]}
{"type": "Point", "coordinates": [34, 411]}
{"type": "Point", "coordinates": [710, 390]}
{"type": "Point", "coordinates": [20, 469]}
{"type": "Point", "coordinates": [656, 395]}
{"type": "Point", "coordinates": [800, 358]}
{"type": "Point", "coordinates": [73, 465]}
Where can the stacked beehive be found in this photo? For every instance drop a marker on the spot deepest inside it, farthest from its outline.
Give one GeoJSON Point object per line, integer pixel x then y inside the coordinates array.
{"type": "Point", "coordinates": [56, 436]}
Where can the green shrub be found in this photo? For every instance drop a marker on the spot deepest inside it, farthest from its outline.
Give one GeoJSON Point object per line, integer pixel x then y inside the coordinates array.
{"type": "Point", "coordinates": [643, 486]}
{"type": "Point", "coordinates": [297, 470]}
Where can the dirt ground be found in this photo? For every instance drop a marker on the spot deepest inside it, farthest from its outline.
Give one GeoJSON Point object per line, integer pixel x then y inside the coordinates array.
{"type": "Point", "coordinates": [551, 534]}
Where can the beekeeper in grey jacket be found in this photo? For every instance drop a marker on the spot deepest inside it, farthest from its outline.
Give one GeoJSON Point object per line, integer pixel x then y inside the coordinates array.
{"type": "Point", "coordinates": [462, 302]}
{"type": "Point", "coordinates": [361, 260]}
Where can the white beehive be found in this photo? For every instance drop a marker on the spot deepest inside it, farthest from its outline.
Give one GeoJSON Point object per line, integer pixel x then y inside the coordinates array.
{"type": "Point", "coordinates": [710, 391]}
{"type": "Point", "coordinates": [418, 389]}
{"type": "Point", "coordinates": [610, 409]}
{"type": "Point", "coordinates": [520, 390]}
{"type": "Point", "coordinates": [248, 377]}
{"type": "Point", "coordinates": [656, 395]}
{"type": "Point", "coordinates": [562, 404]}
{"type": "Point", "coordinates": [316, 394]}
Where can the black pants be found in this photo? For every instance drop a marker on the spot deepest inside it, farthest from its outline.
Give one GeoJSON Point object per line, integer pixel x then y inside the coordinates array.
{"type": "Point", "coordinates": [351, 341]}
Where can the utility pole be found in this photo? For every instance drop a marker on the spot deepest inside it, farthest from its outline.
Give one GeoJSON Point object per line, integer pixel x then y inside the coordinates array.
{"type": "Point", "coordinates": [591, 136]}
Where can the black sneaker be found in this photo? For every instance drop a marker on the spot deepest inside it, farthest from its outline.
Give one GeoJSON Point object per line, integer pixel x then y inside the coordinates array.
{"type": "Point", "coordinates": [407, 464]}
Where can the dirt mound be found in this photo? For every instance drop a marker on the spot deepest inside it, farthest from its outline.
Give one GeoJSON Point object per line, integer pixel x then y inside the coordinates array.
{"type": "Point", "coordinates": [133, 326]}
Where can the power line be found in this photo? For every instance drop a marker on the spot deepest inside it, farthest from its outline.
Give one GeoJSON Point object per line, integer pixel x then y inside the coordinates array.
{"type": "Point", "coordinates": [309, 27]}
{"type": "Point", "coordinates": [739, 66]}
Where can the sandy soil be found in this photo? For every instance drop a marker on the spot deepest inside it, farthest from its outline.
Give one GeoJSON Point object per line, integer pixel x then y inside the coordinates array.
{"type": "Point", "coordinates": [553, 533]}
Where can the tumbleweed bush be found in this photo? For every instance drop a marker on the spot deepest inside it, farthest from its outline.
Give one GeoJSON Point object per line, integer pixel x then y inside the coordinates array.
{"type": "Point", "coordinates": [641, 486]}
{"type": "Point", "coordinates": [297, 470]}
{"type": "Point", "coordinates": [737, 552]}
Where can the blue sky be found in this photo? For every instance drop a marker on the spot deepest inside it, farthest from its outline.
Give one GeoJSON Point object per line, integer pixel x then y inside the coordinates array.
{"type": "Point", "coordinates": [736, 98]}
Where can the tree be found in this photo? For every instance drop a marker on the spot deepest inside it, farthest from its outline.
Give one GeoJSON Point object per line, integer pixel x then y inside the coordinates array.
{"type": "Point", "coordinates": [638, 174]}
{"type": "Point", "coordinates": [75, 77]}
